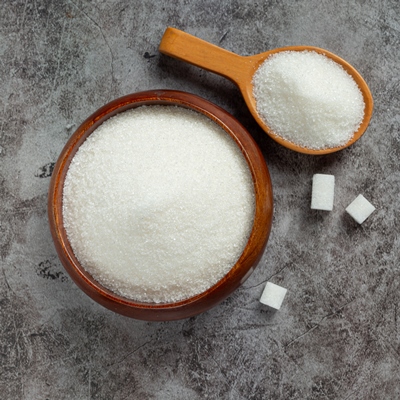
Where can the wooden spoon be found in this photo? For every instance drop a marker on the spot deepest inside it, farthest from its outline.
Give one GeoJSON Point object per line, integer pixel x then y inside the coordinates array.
{"type": "Point", "coordinates": [240, 70]}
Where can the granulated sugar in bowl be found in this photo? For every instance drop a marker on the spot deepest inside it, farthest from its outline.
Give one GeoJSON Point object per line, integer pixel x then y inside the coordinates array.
{"type": "Point", "coordinates": [156, 207]}
{"type": "Point", "coordinates": [144, 192]}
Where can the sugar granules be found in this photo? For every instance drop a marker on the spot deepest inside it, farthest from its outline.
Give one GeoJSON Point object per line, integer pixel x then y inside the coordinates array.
{"type": "Point", "coordinates": [158, 203]}
{"type": "Point", "coordinates": [308, 99]}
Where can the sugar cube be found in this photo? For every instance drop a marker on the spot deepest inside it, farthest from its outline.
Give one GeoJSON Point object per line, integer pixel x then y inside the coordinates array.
{"type": "Point", "coordinates": [360, 209]}
{"type": "Point", "coordinates": [323, 188]}
{"type": "Point", "coordinates": [273, 295]}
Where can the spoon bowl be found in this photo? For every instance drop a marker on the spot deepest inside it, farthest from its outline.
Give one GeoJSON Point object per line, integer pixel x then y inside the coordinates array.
{"type": "Point", "coordinates": [241, 69]}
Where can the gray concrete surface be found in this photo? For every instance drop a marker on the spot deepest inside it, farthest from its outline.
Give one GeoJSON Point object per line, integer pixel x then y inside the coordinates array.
{"type": "Point", "coordinates": [337, 335]}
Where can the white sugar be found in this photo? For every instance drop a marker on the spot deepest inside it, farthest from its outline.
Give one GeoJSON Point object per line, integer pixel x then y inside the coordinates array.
{"type": "Point", "coordinates": [360, 209]}
{"type": "Point", "coordinates": [308, 99]}
{"type": "Point", "coordinates": [158, 203]}
{"type": "Point", "coordinates": [273, 295]}
{"type": "Point", "coordinates": [323, 192]}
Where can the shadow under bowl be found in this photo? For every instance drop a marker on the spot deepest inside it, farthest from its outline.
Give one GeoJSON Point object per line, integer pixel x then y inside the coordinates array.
{"type": "Point", "coordinates": [251, 253]}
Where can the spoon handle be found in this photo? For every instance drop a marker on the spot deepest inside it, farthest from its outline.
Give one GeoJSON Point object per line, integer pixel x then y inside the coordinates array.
{"type": "Point", "coordinates": [185, 47]}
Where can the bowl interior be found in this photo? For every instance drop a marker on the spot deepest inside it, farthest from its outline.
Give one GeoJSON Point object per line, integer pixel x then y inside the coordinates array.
{"type": "Point", "coordinates": [238, 273]}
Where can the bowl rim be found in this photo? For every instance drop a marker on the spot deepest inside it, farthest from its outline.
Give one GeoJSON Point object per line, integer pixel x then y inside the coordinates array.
{"type": "Point", "coordinates": [255, 244]}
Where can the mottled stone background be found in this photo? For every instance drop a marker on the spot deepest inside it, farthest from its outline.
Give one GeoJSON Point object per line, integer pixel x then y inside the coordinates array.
{"type": "Point", "coordinates": [337, 335]}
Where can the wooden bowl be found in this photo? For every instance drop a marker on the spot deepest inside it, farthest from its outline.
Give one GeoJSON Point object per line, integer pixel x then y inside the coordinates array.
{"type": "Point", "coordinates": [238, 273]}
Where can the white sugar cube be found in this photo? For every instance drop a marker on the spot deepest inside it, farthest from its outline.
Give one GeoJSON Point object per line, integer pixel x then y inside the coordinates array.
{"type": "Point", "coordinates": [323, 190]}
{"type": "Point", "coordinates": [273, 295]}
{"type": "Point", "coordinates": [360, 209]}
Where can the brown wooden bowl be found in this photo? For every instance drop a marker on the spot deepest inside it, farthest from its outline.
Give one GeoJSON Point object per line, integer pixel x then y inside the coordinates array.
{"type": "Point", "coordinates": [238, 273]}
